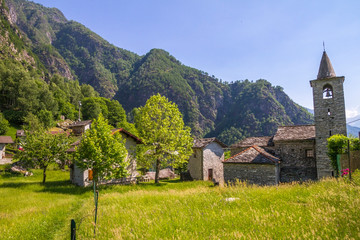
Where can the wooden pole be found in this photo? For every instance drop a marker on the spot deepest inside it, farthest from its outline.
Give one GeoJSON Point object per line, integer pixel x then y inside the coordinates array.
{"type": "Point", "coordinates": [73, 229]}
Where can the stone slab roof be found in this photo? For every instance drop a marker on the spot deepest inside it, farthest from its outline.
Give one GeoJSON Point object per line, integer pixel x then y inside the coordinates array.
{"type": "Point", "coordinates": [294, 133]}
{"type": "Point", "coordinates": [80, 123]}
{"type": "Point", "coordinates": [258, 141]}
{"type": "Point", "coordinates": [253, 155]}
{"type": "Point", "coordinates": [6, 139]}
{"type": "Point", "coordinates": [326, 69]}
{"type": "Point", "coordinates": [203, 142]}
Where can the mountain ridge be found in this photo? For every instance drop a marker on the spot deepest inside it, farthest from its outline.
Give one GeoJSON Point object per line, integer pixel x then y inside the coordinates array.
{"type": "Point", "coordinates": [229, 111]}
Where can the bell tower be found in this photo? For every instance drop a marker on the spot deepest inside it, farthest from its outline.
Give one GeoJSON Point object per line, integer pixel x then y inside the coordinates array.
{"type": "Point", "coordinates": [329, 111]}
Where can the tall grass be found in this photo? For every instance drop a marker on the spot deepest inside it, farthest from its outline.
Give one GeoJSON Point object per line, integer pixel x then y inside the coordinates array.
{"type": "Point", "coordinates": [179, 210]}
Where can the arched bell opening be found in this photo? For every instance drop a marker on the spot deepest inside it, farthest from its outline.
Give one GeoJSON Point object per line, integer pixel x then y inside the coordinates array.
{"type": "Point", "coordinates": [327, 91]}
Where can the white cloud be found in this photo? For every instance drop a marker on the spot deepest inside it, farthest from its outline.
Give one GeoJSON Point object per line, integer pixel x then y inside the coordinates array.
{"type": "Point", "coordinates": [352, 112]}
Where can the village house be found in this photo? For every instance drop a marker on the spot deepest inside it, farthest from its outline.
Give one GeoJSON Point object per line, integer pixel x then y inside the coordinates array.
{"type": "Point", "coordinates": [293, 145]}
{"type": "Point", "coordinates": [206, 161]}
{"type": "Point", "coordinates": [79, 127]}
{"type": "Point", "coordinates": [82, 177]}
{"type": "Point", "coordinates": [253, 165]}
{"type": "Point", "coordinates": [3, 141]}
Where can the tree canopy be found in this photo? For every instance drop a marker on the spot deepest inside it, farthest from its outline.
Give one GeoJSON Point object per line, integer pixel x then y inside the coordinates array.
{"type": "Point", "coordinates": [41, 148]}
{"type": "Point", "coordinates": [166, 139]}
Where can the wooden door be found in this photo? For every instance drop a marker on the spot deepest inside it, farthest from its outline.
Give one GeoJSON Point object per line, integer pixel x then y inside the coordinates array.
{"type": "Point", "coordinates": [210, 174]}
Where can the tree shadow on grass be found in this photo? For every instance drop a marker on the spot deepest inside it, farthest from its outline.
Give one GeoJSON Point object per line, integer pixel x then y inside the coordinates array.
{"type": "Point", "coordinates": [62, 187]}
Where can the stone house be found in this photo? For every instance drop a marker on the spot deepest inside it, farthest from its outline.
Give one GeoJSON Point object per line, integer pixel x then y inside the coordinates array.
{"type": "Point", "coordinates": [3, 141]}
{"type": "Point", "coordinates": [79, 127]}
{"type": "Point", "coordinates": [293, 145]}
{"type": "Point", "coordinates": [206, 161]}
{"type": "Point", "coordinates": [83, 177]}
{"type": "Point", "coordinates": [253, 165]}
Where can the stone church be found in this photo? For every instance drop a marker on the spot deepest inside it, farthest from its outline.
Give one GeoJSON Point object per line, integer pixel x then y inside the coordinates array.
{"type": "Point", "coordinates": [301, 150]}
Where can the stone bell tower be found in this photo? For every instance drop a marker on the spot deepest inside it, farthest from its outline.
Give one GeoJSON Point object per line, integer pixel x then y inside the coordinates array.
{"type": "Point", "coordinates": [329, 110]}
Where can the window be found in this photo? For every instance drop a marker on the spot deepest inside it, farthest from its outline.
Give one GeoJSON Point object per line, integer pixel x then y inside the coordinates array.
{"type": "Point", "coordinates": [329, 112]}
{"type": "Point", "coordinates": [309, 153]}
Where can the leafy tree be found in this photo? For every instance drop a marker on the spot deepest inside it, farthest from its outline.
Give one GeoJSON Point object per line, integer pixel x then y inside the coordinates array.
{"type": "Point", "coordinates": [102, 151]}
{"type": "Point", "coordinates": [41, 148]}
{"type": "Point", "coordinates": [4, 124]}
{"type": "Point", "coordinates": [116, 113]}
{"type": "Point", "coordinates": [90, 108]}
{"type": "Point", "coordinates": [46, 118]}
{"type": "Point", "coordinates": [166, 139]}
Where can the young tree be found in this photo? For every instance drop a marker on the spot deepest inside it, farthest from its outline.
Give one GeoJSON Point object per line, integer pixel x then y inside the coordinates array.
{"type": "Point", "coordinates": [41, 148]}
{"type": "Point", "coordinates": [102, 152]}
{"type": "Point", "coordinates": [166, 139]}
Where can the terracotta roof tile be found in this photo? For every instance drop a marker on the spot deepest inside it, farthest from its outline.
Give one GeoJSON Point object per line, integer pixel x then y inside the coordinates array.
{"type": "Point", "coordinates": [253, 155]}
{"type": "Point", "coordinates": [293, 133]}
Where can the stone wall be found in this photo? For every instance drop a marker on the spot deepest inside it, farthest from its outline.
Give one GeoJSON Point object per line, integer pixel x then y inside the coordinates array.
{"type": "Point", "coordinates": [130, 146]}
{"type": "Point", "coordinates": [2, 150]}
{"type": "Point", "coordinates": [213, 155]}
{"type": "Point", "coordinates": [295, 165]}
{"type": "Point", "coordinates": [329, 119]}
{"type": "Point", "coordinates": [79, 177]}
{"type": "Point", "coordinates": [261, 174]}
{"type": "Point", "coordinates": [195, 164]}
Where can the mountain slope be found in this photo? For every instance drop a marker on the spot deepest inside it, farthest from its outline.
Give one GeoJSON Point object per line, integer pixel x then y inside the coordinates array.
{"type": "Point", "coordinates": [210, 107]}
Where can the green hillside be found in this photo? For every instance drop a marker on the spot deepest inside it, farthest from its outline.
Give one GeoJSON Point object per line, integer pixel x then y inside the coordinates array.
{"type": "Point", "coordinates": [56, 46]}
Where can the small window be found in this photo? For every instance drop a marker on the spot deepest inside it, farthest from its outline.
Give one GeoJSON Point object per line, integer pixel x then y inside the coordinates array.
{"type": "Point", "coordinates": [329, 112]}
{"type": "Point", "coordinates": [309, 153]}
{"type": "Point", "coordinates": [195, 154]}
{"type": "Point", "coordinates": [330, 133]}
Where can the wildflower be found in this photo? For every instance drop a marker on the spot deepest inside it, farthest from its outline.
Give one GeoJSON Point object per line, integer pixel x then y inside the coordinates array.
{"type": "Point", "coordinates": [345, 172]}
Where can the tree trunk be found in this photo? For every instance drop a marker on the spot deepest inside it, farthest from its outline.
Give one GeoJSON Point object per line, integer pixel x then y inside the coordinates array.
{"type": "Point", "coordinates": [157, 170]}
{"type": "Point", "coordinates": [44, 175]}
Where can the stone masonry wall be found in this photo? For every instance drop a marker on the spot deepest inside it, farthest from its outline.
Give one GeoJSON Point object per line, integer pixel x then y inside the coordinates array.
{"type": "Point", "coordinates": [261, 174]}
{"type": "Point", "coordinates": [329, 120]}
{"type": "Point", "coordinates": [295, 165]}
{"type": "Point", "coordinates": [195, 164]}
{"type": "Point", "coordinates": [213, 155]}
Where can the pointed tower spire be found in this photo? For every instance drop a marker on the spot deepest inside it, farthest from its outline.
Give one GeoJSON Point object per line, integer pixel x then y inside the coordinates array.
{"type": "Point", "coordinates": [326, 70]}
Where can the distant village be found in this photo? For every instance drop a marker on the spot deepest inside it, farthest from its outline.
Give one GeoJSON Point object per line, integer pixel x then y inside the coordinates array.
{"type": "Point", "coordinates": [293, 153]}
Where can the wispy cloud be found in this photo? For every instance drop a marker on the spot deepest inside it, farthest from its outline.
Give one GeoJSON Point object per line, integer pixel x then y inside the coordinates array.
{"type": "Point", "coordinates": [352, 112]}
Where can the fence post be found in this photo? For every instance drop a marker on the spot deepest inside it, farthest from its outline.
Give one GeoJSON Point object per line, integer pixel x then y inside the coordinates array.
{"type": "Point", "coordinates": [73, 229]}
{"type": "Point", "coordinates": [349, 159]}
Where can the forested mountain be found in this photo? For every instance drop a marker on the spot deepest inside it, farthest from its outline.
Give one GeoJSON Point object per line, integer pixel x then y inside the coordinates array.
{"type": "Point", "coordinates": [47, 45]}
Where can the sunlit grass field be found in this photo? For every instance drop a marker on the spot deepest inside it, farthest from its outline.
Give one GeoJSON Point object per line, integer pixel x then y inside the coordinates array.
{"type": "Point", "coordinates": [329, 209]}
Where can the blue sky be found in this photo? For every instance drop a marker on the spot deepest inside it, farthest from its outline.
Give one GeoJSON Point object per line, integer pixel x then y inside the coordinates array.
{"type": "Point", "coordinates": [280, 41]}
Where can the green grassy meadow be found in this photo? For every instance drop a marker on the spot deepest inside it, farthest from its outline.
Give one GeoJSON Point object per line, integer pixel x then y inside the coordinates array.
{"type": "Point", "coordinates": [328, 209]}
